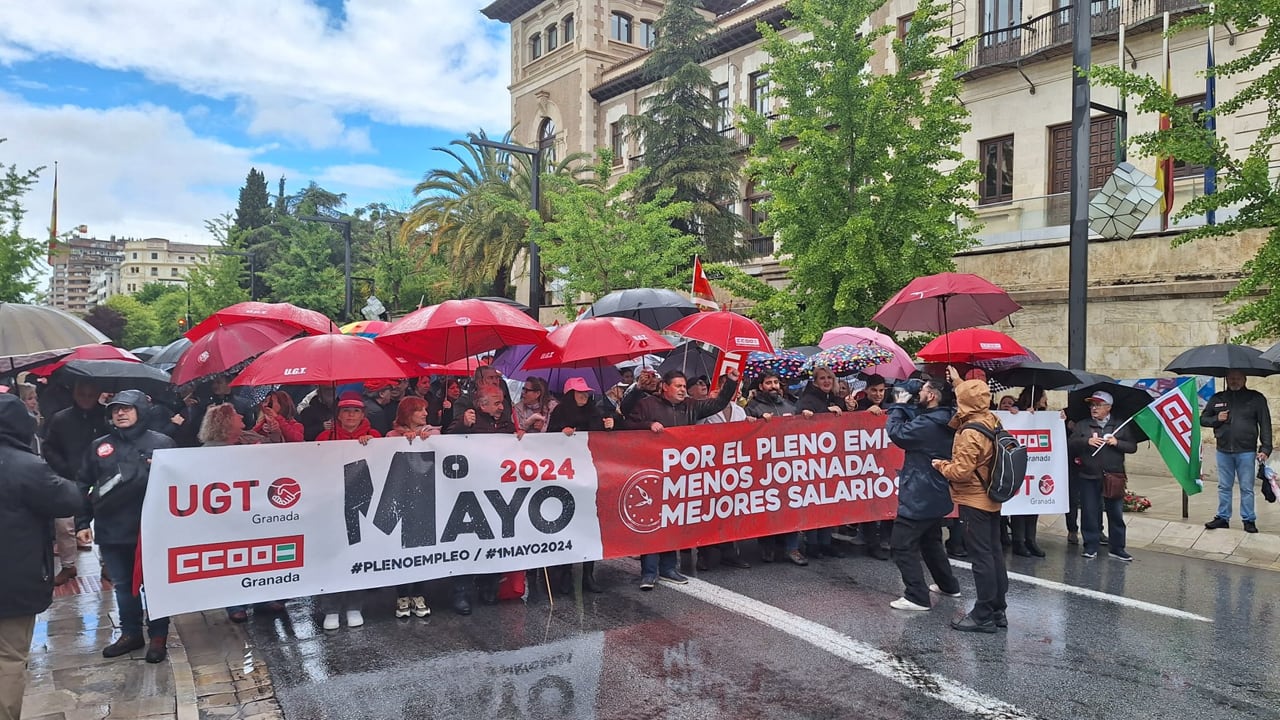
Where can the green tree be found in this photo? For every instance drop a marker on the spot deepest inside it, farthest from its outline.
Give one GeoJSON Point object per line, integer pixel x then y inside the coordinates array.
{"type": "Point", "coordinates": [679, 129]}
{"type": "Point", "coordinates": [304, 272]}
{"type": "Point", "coordinates": [1247, 195]}
{"type": "Point", "coordinates": [601, 240]}
{"type": "Point", "coordinates": [152, 291]}
{"type": "Point", "coordinates": [169, 311]}
{"type": "Point", "coordinates": [254, 209]}
{"type": "Point", "coordinates": [19, 256]}
{"type": "Point", "coordinates": [138, 327]}
{"type": "Point", "coordinates": [862, 201]}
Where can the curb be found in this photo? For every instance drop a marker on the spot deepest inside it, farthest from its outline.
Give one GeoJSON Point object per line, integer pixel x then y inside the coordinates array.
{"type": "Point", "coordinates": [184, 683]}
{"type": "Point", "coordinates": [1260, 551]}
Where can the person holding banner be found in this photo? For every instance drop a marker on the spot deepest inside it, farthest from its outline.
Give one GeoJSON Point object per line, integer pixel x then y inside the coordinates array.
{"type": "Point", "coordinates": [411, 424]}
{"type": "Point", "coordinates": [578, 412]}
{"type": "Point", "coordinates": [768, 401]}
{"type": "Point", "coordinates": [1023, 527]}
{"type": "Point", "coordinates": [924, 433]}
{"type": "Point", "coordinates": [1099, 445]}
{"type": "Point", "coordinates": [671, 407]}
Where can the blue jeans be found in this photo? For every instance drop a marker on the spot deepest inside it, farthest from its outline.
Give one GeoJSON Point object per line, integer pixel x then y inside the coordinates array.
{"type": "Point", "coordinates": [1092, 505]}
{"type": "Point", "coordinates": [1233, 467]}
{"type": "Point", "coordinates": [656, 563]}
{"type": "Point", "coordinates": [119, 562]}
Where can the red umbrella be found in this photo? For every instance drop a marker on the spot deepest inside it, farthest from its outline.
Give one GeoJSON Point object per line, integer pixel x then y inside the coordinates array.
{"type": "Point", "coordinates": [726, 330]}
{"type": "Point", "coordinates": [455, 329]}
{"type": "Point", "coordinates": [939, 303]}
{"type": "Point", "coordinates": [971, 344]}
{"type": "Point", "coordinates": [227, 349]}
{"type": "Point", "coordinates": [285, 314]}
{"type": "Point", "coordinates": [324, 360]}
{"type": "Point", "coordinates": [458, 368]}
{"type": "Point", "coordinates": [88, 352]}
{"type": "Point", "coordinates": [594, 342]}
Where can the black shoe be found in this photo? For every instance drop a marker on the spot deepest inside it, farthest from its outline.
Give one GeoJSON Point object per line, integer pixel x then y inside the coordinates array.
{"type": "Point", "coordinates": [1250, 526]}
{"type": "Point", "coordinates": [1216, 524]}
{"type": "Point", "coordinates": [1000, 618]}
{"type": "Point", "coordinates": [124, 645]}
{"type": "Point", "coordinates": [589, 583]}
{"type": "Point", "coordinates": [673, 576]}
{"type": "Point", "coordinates": [1121, 555]}
{"type": "Point", "coordinates": [1073, 537]}
{"type": "Point", "coordinates": [968, 624]}
{"type": "Point", "coordinates": [1034, 549]}
{"type": "Point", "coordinates": [1089, 555]}
{"type": "Point", "coordinates": [648, 581]}
{"type": "Point", "coordinates": [156, 650]}
{"type": "Point", "coordinates": [1021, 550]}
{"type": "Point", "coordinates": [957, 553]}
{"type": "Point", "coordinates": [767, 554]}
{"type": "Point", "coordinates": [461, 604]}
{"type": "Point", "coordinates": [735, 562]}
{"type": "Point", "coordinates": [877, 552]}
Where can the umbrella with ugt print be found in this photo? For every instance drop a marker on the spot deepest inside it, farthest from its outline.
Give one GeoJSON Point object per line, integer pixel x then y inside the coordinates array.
{"type": "Point", "coordinates": [595, 343]}
{"type": "Point", "coordinates": [325, 360]}
{"type": "Point", "coordinates": [510, 362]}
{"type": "Point", "coordinates": [724, 329]}
{"type": "Point", "coordinates": [286, 315]}
{"type": "Point", "coordinates": [969, 345]}
{"type": "Point", "coordinates": [226, 350]}
{"type": "Point", "coordinates": [456, 329]}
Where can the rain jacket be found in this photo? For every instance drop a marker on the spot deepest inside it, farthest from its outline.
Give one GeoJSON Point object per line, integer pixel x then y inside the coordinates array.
{"type": "Point", "coordinates": [288, 430]}
{"type": "Point", "coordinates": [1248, 426]}
{"type": "Point", "coordinates": [67, 435]}
{"type": "Point", "coordinates": [313, 418]}
{"type": "Point", "coordinates": [485, 424]}
{"type": "Point", "coordinates": [816, 401]}
{"type": "Point", "coordinates": [117, 515]}
{"type": "Point", "coordinates": [31, 496]}
{"type": "Point", "coordinates": [923, 493]}
{"type": "Point", "coordinates": [655, 408]}
{"type": "Point", "coordinates": [762, 403]}
{"type": "Point", "coordinates": [337, 433]}
{"type": "Point", "coordinates": [568, 414]}
{"type": "Point", "coordinates": [971, 453]}
{"type": "Point", "coordinates": [1108, 459]}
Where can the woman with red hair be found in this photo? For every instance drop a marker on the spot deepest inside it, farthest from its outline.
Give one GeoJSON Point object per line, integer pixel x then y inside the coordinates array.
{"type": "Point", "coordinates": [411, 423]}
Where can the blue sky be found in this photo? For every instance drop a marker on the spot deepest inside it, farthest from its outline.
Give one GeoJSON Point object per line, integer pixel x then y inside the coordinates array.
{"type": "Point", "coordinates": [156, 111]}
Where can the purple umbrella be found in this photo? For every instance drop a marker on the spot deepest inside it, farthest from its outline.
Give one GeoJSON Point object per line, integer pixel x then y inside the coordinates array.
{"type": "Point", "coordinates": [510, 362]}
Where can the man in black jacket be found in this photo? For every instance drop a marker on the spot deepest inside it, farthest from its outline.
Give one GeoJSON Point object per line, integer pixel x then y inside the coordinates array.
{"type": "Point", "coordinates": [1241, 424]}
{"type": "Point", "coordinates": [114, 479]}
{"type": "Point", "coordinates": [924, 495]}
{"type": "Point", "coordinates": [1099, 445]}
{"type": "Point", "coordinates": [66, 438]}
{"type": "Point", "coordinates": [31, 496]}
{"type": "Point", "coordinates": [770, 400]}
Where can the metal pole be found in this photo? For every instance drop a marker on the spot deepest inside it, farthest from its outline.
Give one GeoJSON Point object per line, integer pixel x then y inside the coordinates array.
{"type": "Point", "coordinates": [1122, 137]}
{"type": "Point", "coordinates": [535, 261]}
{"type": "Point", "coordinates": [1078, 261]}
{"type": "Point", "coordinates": [253, 278]}
{"type": "Point", "coordinates": [346, 269]}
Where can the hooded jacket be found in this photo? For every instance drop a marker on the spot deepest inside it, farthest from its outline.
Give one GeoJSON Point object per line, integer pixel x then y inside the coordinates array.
{"type": "Point", "coordinates": [67, 435]}
{"type": "Point", "coordinates": [763, 403]}
{"type": "Point", "coordinates": [1248, 425]}
{"type": "Point", "coordinates": [971, 452]}
{"type": "Point", "coordinates": [31, 496]}
{"type": "Point", "coordinates": [117, 514]}
{"type": "Point", "coordinates": [924, 436]}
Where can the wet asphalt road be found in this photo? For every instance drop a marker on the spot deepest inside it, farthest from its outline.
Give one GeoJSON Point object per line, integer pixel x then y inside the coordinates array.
{"type": "Point", "coordinates": [779, 641]}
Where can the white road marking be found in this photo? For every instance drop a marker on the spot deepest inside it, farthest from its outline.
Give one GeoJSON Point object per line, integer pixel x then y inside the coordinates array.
{"type": "Point", "coordinates": [1097, 595]}
{"type": "Point", "coordinates": [898, 669]}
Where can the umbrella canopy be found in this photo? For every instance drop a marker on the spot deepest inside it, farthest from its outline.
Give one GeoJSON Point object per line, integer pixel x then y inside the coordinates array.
{"type": "Point", "coordinates": [456, 329]}
{"type": "Point", "coordinates": [32, 334]}
{"type": "Point", "coordinates": [144, 353]}
{"type": "Point", "coordinates": [505, 301]}
{"type": "Point", "coordinates": [88, 352]}
{"type": "Point", "coordinates": [1128, 401]}
{"type": "Point", "coordinates": [942, 302]}
{"type": "Point", "coordinates": [848, 359]}
{"type": "Point", "coordinates": [170, 354]}
{"type": "Point", "coordinates": [226, 350]}
{"type": "Point", "coordinates": [788, 365]}
{"type": "Point", "coordinates": [1272, 353]}
{"type": "Point", "coordinates": [969, 345]}
{"type": "Point", "coordinates": [365, 328]}
{"type": "Point", "coordinates": [654, 307]}
{"type": "Point", "coordinates": [114, 376]}
{"type": "Point", "coordinates": [286, 314]}
{"type": "Point", "coordinates": [899, 368]}
{"type": "Point", "coordinates": [806, 350]}
{"type": "Point", "coordinates": [1216, 360]}
{"type": "Point", "coordinates": [510, 362]}
{"type": "Point", "coordinates": [1048, 376]}
{"type": "Point", "coordinates": [595, 342]}
{"type": "Point", "coordinates": [458, 368]}
{"type": "Point", "coordinates": [691, 359]}
{"type": "Point", "coordinates": [724, 329]}
{"type": "Point", "coordinates": [323, 360]}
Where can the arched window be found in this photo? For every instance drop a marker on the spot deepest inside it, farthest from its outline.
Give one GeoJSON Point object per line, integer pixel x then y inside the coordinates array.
{"type": "Point", "coordinates": [620, 27]}
{"type": "Point", "coordinates": [552, 33]}
{"type": "Point", "coordinates": [547, 141]}
{"type": "Point", "coordinates": [535, 46]}
{"type": "Point", "coordinates": [567, 24]}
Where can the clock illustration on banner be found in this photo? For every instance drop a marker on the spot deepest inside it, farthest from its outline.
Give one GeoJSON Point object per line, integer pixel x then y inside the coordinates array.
{"type": "Point", "coordinates": [639, 504]}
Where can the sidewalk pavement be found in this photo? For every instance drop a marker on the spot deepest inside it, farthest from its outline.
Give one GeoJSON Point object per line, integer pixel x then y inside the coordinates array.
{"type": "Point", "coordinates": [206, 675]}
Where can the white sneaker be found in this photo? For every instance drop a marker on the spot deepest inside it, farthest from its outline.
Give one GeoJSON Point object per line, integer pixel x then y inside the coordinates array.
{"type": "Point", "coordinates": [935, 589]}
{"type": "Point", "coordinates": [354, 618]}
{"type": "Point", "coordinates": [402, 607]}
{"type": "Point", "coordinates": [905, 604]}
{"type": "Point", "coordinates": [420, 607]}
{"type": "Point", "coordinates": [331, 621]}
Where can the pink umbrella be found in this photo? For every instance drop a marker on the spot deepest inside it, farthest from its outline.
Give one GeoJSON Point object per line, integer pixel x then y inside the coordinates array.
{"type": "Point", "coordinates": [944, 302]}
{"type": "Point", "coordinates": [900, 368]}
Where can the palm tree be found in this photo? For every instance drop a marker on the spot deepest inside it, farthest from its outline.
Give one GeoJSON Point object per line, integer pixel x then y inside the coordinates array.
{"type": "Point", "coordinates": [477, 214]}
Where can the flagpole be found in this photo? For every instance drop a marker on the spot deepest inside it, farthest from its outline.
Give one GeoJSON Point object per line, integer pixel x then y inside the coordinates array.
{"type": "Point", "coordinates": [1122, 136]}
{"type": "Point", "coordinates": [693, 282]}
{"type": "Point", "coordinates": [1166, 164]}
{"type": "Point", "coordinates": [1113, 434]}
{"type": "Point", "coordinates": [53, 221]}
{"type": "Point", "coordinates": [1210, 122]}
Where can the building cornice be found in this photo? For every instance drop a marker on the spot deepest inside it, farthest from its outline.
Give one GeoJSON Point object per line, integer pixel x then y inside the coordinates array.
{"type": "Point", "coordinates": [509, 10]}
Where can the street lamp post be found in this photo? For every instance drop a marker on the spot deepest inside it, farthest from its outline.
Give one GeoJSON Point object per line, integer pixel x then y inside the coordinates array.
{"type": "Point", "coordinates": [185, 285]}
{"type": "Point", "coordinates": [346, 264]}
{"type": "Point", "coordinates": [535, 191]}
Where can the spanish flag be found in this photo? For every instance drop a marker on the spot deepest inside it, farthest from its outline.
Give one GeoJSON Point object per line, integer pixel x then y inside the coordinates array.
{"type": "Point", "coordinates": [703, 296]}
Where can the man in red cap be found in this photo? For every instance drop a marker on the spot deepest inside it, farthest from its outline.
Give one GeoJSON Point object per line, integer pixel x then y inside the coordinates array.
{"type": "Point", "coordinates": [377, 404]}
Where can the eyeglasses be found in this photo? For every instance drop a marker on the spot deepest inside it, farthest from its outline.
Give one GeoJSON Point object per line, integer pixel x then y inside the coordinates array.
{"type": "Point", "coordinates": [530, 389]}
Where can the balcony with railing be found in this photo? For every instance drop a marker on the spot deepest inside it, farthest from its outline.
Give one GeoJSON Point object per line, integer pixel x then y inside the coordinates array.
{"type": "Point", "coordinates": [1049, 35]}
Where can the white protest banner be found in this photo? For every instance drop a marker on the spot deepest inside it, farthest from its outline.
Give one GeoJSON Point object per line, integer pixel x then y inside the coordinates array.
{"type": "Point", "coordinates": [1044, 436]}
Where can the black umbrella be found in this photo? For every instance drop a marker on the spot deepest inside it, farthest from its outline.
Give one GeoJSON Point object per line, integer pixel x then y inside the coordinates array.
{"type": "Point", "coordinates": [1272, 353]}
{"type": "Point", "coordinates": [115, 375]}
{"type": "Point", "coordinates": [691, 359]}
{"type": "Point", "coordinates": [505, 301]}
{"type": "Point", "coordinates": [1128, 401]}
{"type": "Point", "coordinates": [145, 353]}
{"type": "Point", "coordinates": [168, 356]}
{"type": "Point", "coordinates": [653, 307]}
{"type": "Point", "coordinates": [1216, 360]}
{"type": "Point", "coordinates": [1047, 376]}
{"type": "Point", "coordinates": [806, 350]}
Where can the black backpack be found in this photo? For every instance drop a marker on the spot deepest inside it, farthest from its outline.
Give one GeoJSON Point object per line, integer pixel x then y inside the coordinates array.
{"type": "Point", "coordinates": [1008, 469]}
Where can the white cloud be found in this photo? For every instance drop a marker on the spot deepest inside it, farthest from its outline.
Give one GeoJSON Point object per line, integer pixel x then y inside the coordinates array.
{"type": "Point", "coordinates": [359, 175]}
{"type": "Point", "coordinates": [435, 63]}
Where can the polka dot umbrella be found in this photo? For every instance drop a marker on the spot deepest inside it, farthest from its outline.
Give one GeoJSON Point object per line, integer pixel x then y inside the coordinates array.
{"type": "Point", "coordinates": [788, 365]}
{"type": "Point", "coordinates": [848, 359]}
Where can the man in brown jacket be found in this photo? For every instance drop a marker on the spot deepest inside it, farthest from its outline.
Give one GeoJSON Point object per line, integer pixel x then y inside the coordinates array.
{"type": "Point", "coordinates": [967, 471]}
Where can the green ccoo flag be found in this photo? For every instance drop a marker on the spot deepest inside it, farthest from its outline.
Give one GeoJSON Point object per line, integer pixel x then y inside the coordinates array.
{"type": "Point", "coordinates": [1170, 421]}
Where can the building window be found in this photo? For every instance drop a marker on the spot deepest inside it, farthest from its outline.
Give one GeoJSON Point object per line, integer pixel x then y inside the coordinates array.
{"type": "Point", "coordinates": [1182, 169]}
{"type": "Point", "coordinates": [759, 95]}
{"type": "Point", "coordinates": [155, 256]}
{"type": "Point", "coordinates": [181, 259]}
{"type": "Point", "coordinates": [552, 32]}
{"type": "Point", "coordinates": [620, 27]}
{"type": "Point", "coordinates": [648, 33]}
{"type": "Point", "coordinates": [720, 95]}
{"type": "Point", "coordinates": [904, 26]}
{"type": "Point", "coordinates": [173, 272]}
{"type": "Point", "coordinates": [155, 271]}
{"type": "Point", "coordinates": [134, 270]}
{"type": "Point", "coordinates": [547, 141]}
{"type": "Point", "coordinates": [133, 288]}
{"type": "Point", "coordinates": [135, 256]}
{"type": "Point", "coordinates": [761, 244]}
{"type": "Point", "coordinates": [1102, 154]}
{"type": "Point", "coordinates": [567, 24]}
{"type": "Point", "coordinates": [996, 158]}
{"type": "Point", "coordinates": [617, 142]}
{"type": "Point", "coordinates": [535, 46]}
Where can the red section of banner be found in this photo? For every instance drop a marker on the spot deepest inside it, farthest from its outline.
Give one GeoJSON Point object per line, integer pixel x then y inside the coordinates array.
{"type": "Point", "coordinates": [693, 486]}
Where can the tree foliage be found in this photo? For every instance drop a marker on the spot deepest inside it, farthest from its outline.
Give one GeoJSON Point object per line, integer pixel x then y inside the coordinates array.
{"type": "Point", "coordinates": [254, 209]}
{"type": "Point", "coordinates": [305, 273]}
{"type": "Point", "coordinates": [110, 322]}
{"type": "Point", "coordinates": [683, 150]}
{"type": "Point", "coordinates": [600, 240]}
{"type": "Point", "coordinates": [126, 321]}
{"type": "Point", "coordinates": [19, 256]}
{"type": "Point", "coordinates": [868, 195]}
{"type": "Point", "coordinates": [1247, 196]}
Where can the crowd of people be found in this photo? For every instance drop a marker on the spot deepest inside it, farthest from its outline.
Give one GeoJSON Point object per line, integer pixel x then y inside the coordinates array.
{"type": "Point", "coordinates": [77, 464]}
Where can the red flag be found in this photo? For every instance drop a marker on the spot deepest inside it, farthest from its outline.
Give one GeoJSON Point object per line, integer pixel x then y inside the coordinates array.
{"type": "Point", "coordinates": [703, 296]}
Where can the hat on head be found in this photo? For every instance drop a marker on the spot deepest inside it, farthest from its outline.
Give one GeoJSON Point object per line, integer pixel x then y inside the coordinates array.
{"type": "Point", "coordinates": [576, 383]}
{"type": "Point", "coordinates": [700, 379]}
{"type": "Point", "coordinates": [1101, 396]}
{"type": "Point", "coordinates": [351, 399]}
{"type": "Point", "coordinates": [133, 398]}
{"type": "Point", "coordinates": [374, 386]}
